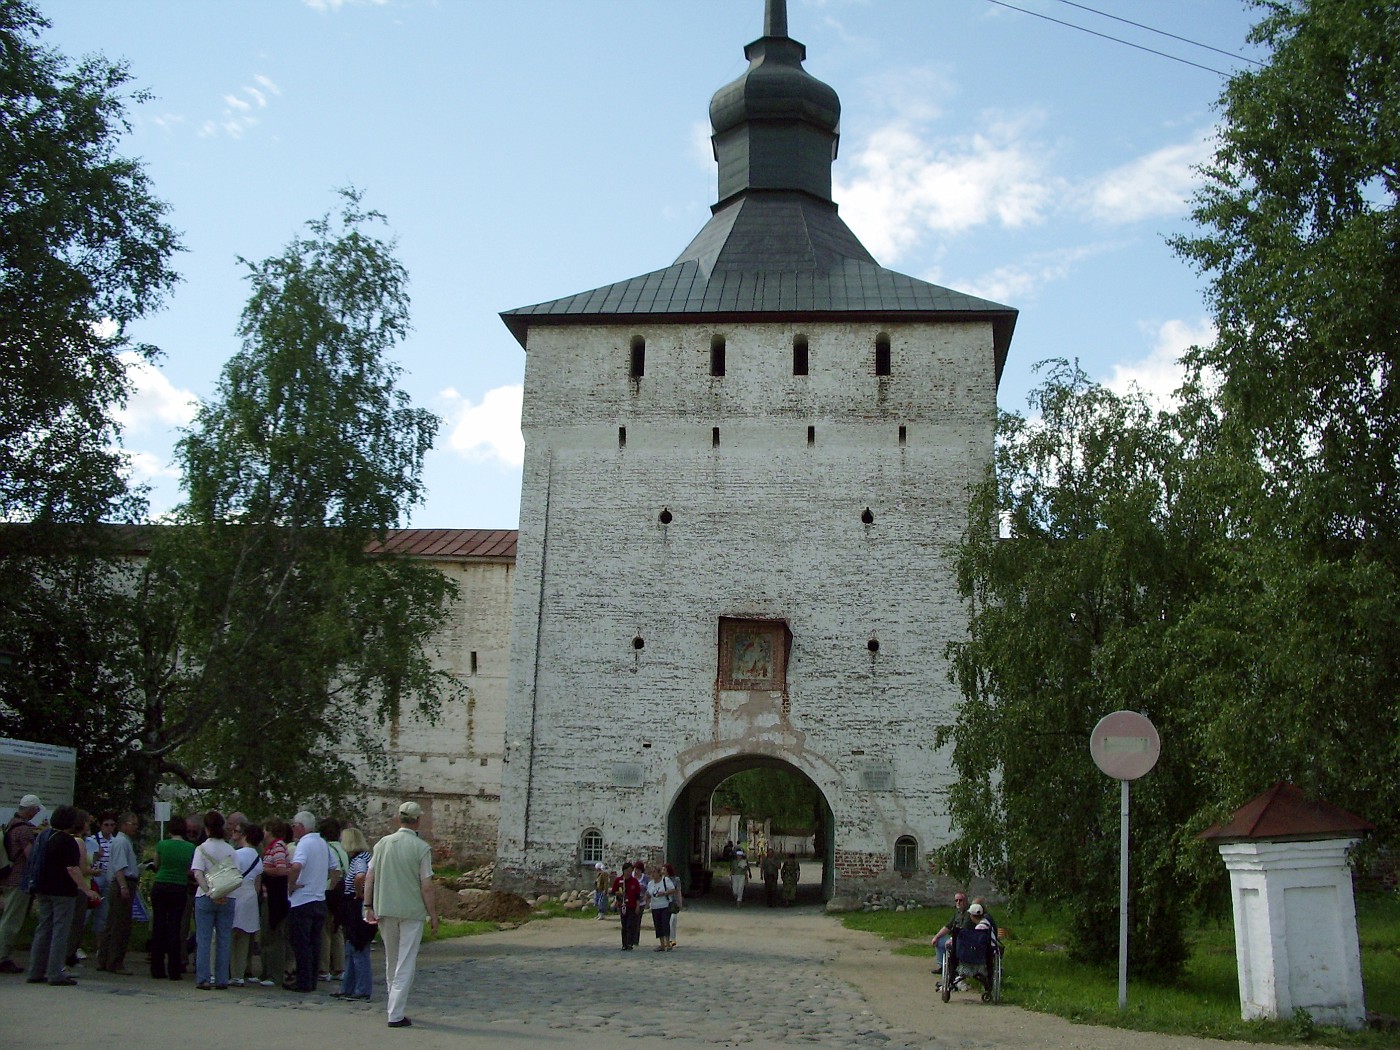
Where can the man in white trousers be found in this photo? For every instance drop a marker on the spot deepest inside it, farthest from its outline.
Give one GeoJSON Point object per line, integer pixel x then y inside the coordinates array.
{"type": "Point", "coordinates": [399, 889]}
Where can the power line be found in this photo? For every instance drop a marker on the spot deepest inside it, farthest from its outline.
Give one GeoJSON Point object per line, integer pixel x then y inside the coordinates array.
{"type": "Point", "coordinates": [1116, 40]}
{"type": "Point", "coordinates": [1162, 32]}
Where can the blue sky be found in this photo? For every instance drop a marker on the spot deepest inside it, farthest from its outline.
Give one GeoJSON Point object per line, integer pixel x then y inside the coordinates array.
{"type": "Point", "coordinates": [527, 150]}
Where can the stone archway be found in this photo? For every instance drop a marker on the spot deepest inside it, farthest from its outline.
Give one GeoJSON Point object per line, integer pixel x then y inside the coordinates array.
{"type": "Point", "coordinates": [687, 821]}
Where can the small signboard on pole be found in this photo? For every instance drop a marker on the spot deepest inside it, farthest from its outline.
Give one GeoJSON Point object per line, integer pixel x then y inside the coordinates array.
{"type": "Point", "coordinates": [1125, 746]}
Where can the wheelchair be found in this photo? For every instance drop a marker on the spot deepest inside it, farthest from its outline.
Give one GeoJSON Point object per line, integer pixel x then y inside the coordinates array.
{"type": "Point", "coordinates": [973, 954]}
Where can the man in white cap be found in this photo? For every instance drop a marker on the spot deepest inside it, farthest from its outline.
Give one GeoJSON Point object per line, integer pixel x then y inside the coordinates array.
{"type": "Point", "coordinates": [19, 837]}
{"type": "Point", "coordinates": [399, 896]}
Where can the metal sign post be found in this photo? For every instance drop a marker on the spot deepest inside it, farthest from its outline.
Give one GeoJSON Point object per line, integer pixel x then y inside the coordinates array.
{"type": "Point", "coordinates": [1124, 745]}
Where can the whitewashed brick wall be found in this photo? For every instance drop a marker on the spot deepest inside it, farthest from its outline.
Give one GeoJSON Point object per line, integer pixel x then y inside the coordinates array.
{"type": "Point", "coordinates": [764, 525]}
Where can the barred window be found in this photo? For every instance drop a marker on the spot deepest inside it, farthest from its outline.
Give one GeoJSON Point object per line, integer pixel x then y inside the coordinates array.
{"type": "Point", "coordinates": [591, 846]}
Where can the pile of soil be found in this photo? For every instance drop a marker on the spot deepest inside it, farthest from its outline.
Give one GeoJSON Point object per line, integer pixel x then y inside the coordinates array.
{"type": "Point", "coordinates": [479, 905]}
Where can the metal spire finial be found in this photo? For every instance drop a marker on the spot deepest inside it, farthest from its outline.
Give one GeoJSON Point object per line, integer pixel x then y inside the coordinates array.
{"type": "Point", "coordinates": [775, 18]}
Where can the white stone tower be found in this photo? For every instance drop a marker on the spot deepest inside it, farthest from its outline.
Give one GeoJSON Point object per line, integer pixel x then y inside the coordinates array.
{"type": "Point", "coordinates": [743, 476]}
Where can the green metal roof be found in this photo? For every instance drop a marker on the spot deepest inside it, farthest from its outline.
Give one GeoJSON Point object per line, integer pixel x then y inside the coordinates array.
{"type": "Point", "coordinates": [775, 248]}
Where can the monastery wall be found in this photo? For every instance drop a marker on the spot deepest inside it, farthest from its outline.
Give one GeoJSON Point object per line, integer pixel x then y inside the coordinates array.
{"type": "Point", "coordinates": [453, 767]}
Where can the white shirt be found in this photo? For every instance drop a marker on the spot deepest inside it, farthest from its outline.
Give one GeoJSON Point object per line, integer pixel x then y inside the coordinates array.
{"type": "Point", "coordinates": [314, 856]}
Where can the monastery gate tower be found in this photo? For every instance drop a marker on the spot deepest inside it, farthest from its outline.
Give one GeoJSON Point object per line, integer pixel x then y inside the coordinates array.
{"type": "Point", "coordinates": [744, 474]}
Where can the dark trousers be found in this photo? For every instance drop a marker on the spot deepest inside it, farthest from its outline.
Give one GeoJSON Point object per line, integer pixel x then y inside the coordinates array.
{"type": "Point", "coordinates": [167, 947]}
{"type": "Point", "coordinates": [304, 925]}
{"type": "Point", "coordinates": [631, 927]}
{"type": "Point", "coordinates": [770, 890]}
{"type": "Point", "coordinates": [111, 954]}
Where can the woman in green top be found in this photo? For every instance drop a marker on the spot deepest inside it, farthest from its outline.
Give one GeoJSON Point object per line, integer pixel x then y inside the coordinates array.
{"type": "Point", "coordinates": [173, 857]}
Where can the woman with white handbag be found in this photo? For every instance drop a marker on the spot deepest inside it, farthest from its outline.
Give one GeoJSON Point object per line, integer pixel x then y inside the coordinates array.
{"type": "Point", "coordinates": [215, 869]}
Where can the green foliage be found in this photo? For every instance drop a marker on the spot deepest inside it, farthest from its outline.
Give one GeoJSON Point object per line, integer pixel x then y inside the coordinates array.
{"type": "Point", "coordinates": [84, 251]}
{"type": "Point", "coordinates": [275, 644]}
{"type": "Point", "coordinates": [1230, 569]}
{"type": "Point", "coordinates": [792, 802]}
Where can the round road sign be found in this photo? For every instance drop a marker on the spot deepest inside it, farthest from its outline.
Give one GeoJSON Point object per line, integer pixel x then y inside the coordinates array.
{"type": "Point", "coordinates": [1125, 745]}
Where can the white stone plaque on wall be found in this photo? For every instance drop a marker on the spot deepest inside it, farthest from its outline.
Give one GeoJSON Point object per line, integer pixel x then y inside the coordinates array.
{"type": "Point", "coordinates": [628, 774]}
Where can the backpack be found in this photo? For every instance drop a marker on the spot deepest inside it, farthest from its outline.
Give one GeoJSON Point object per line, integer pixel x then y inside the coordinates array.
{"type": "Point", "coordinates": [6, 861]}
{"type": "Point", "coordinates": [35, 868]}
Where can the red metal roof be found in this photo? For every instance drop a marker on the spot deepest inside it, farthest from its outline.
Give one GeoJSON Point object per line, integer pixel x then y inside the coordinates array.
{"type": "Point", "coordinates": [494, 544]}
{"type": "Point", "coordinates": [1284, 812]}
{"type": "Point", "coordinates": [445, 544]}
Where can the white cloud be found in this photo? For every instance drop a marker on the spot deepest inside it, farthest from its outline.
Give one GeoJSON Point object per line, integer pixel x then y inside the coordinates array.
{"type": "Point", "coordinates": [908, 185]}
{"type": "Point", "coordinates": [155, 402]}
{"type": "Point", "coordinates": [489, 430]}
{"type": "Point", "coordinates": [1016, 282]}
{"type": "Point", "coordinates": [143, 468]}
{"type": "Point", "coordinates": [1160, 373]}
{"type": "Point", "coordinates": [237, 116]}
{"type": "Point", "coordinates": [1160, 183]}
{"type": "Point", "coordinates": [335, 5]}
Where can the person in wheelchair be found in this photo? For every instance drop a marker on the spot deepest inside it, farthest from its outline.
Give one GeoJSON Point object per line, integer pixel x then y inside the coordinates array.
{"type": "Point", "coordinates": [974, 953]}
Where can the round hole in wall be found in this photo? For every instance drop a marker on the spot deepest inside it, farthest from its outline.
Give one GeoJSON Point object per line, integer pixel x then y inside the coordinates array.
{"type": "Point", "coordinates": [664, 517]}
{"type": "Point", "coordinates": [873, 645]}
{"type": "Point", "coordinates": [867, 517]}
{"type": "Point", "coordinates": [639, 642]}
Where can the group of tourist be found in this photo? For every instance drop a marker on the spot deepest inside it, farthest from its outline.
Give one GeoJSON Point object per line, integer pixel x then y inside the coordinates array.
{"type": "Point", "coordinates": [314, 888]}
{"type": "Point", "coordinates": [637, 889]}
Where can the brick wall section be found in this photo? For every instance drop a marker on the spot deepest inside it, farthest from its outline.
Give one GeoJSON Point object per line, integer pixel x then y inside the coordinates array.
{"type": "Point", "coordinates": [764, 525]}
{"type": "Point", "coordinates": [453, 767]}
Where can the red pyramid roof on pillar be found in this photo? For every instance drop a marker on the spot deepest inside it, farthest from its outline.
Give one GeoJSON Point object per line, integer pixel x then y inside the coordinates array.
{"type": "Point", "coordinates": [1285, 813]}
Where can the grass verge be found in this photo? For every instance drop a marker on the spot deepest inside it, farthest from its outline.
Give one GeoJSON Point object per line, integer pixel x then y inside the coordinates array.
{"type": "Point", "coordinates": [1039, 976]}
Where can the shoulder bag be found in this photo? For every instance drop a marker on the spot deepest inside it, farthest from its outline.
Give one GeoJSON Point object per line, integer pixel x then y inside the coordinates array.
{"type": "Point", "coordinates": [221, 878]}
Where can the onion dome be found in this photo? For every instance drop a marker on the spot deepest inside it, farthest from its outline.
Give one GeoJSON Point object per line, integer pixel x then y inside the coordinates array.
{"type": "Point", "coordinates": [776, 127]}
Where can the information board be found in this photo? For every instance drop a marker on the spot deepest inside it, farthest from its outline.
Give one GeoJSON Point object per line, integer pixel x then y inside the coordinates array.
{"type": "Point", "coordinates": [31, 768]}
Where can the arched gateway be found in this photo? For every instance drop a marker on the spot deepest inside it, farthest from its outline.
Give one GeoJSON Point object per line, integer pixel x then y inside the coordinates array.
{"type": "Point", "coordinates": [743, 476]}
{"type": "Point", "coordinates": [690, 818]}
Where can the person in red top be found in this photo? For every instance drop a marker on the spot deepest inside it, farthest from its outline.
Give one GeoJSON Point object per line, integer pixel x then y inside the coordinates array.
{"type": "Point", "coordinates": [277, 866]}
{"type": "Point", "coordinates": [628, 889]}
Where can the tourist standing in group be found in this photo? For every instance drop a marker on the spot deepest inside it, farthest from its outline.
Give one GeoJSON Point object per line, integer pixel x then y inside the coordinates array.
{"type": "Point", "coordinates": [123, 876]}
{"type": "Point", "coordinates": [332, 937]}
{"type": "Point", "coordinates": [246, 921]}
{"type": "Point", "coordinates": [56, 892]}
{"type": "Point", "coordinates": [213, 916]}
{"type": "Point", "coordinates": [399, 897]}
{"type": "Point", "coordinates": [357, 983]}
{"type": "Point", "coordinates": [20, 833]}
{"type": "Point", "coordinates": [312, 865]}
{"type": "Point", "coordinates": [174, 855]}
{"type": "Point", "coordinates": [739, 874]}
{"type": "Point", "coordinates": [661, 889]}
{"type": "Point", "coordinates": [277, 868]}
{"type": "Point", "coordinates": [100, 852]}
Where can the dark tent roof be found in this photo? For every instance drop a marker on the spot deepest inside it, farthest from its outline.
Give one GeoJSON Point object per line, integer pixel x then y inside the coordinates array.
{"type": "Point", "coordinates": [775, 248]}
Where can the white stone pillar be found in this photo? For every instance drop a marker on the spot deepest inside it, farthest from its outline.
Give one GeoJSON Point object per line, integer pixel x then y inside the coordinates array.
{"type": "Point", "coordinates": [1295, 930]}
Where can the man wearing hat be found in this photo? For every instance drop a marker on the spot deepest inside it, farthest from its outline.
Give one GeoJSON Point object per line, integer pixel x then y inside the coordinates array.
{"type": "Point", "coordinates": [19, 837]}
{"type": "Point", "coordinates": [399, 897]}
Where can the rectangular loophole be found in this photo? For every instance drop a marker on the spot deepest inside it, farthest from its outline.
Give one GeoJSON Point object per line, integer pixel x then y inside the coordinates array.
{"type": "Point", "coordinates": [811, 435]}
{"type": "Point", "coordinates": [621, 437]}
{"type": "Point", "coordinates": [714, 437]}
{"type": "Point", "coordinates": [903, 435]}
